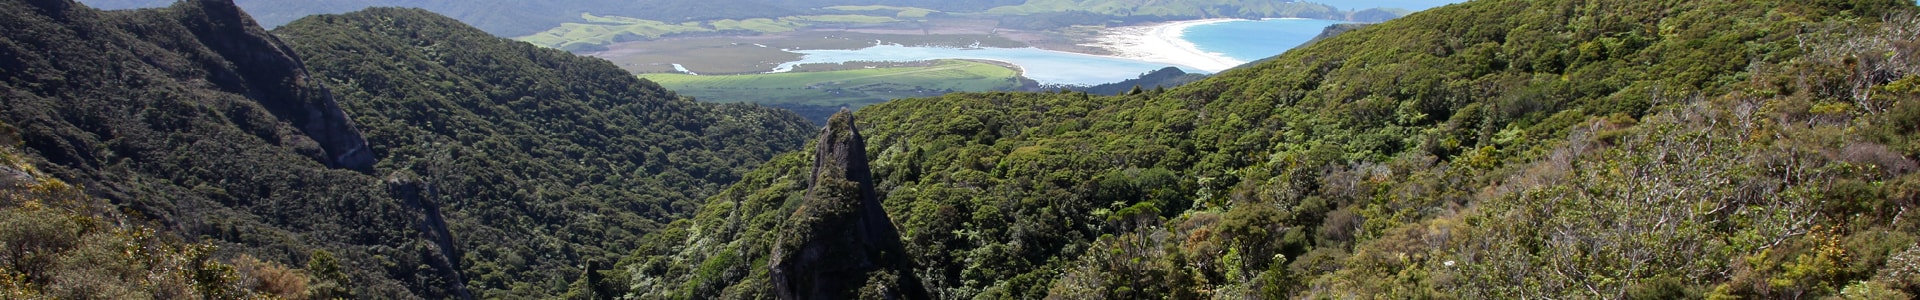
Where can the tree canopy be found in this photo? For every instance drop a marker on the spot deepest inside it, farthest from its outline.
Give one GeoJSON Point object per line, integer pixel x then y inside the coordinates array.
{"type": "Point", "coordinates": [1491, 149]}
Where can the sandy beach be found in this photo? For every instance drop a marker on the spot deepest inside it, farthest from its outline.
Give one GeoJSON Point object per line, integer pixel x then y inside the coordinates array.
{"type": "Point", "coordinates": [1162, 43]}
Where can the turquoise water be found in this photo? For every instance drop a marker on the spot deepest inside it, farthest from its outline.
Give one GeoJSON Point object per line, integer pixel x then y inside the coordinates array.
{"type": "Point", "coordinates": [1250, 40]}
{"type": "Point", "coordinates": [1044, 66]}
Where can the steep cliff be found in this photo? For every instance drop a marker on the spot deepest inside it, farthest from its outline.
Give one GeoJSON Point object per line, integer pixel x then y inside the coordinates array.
{"type": "Point", "coordinates": [210, 45]}
{"type": "Point", "coordinates": [250, 62]}
{"type": "Point", "coordinates": [195, 119]}
{"type": "Point", "coordinates": [840, 244]}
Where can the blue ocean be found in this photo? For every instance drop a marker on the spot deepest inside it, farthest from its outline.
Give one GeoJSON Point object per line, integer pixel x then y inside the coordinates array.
{"type": "Point", "coordinates": [1251, 40]}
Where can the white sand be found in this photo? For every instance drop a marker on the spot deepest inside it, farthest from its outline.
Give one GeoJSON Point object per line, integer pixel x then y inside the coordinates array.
{"type": "Point", "coordinates": [1163, 43]}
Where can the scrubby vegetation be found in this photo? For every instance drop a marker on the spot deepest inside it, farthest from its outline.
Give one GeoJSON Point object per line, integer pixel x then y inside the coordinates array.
{"type": "Point", "coordinates": [1493, 149]}
{"type": "Point", "coordinates": [56, 242]}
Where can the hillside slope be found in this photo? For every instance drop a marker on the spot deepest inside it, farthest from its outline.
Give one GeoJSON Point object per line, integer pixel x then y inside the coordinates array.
{"type": "Point", "coordinates": [1491, 149]}
{"type": "Point", "coordinates": [444, 163]}
{"type": "Point", "coordinates": [542, 160]}
{"type": "Point", "coordinates": [62, 243]}
{"type": "Point", "coordinates": [180, 116]}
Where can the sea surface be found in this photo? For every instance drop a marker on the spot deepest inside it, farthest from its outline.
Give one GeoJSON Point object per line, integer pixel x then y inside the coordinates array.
{"type": "Point", "coordinates": [1251, 40]}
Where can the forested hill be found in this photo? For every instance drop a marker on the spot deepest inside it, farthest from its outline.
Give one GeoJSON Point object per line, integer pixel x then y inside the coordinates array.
{"type": "Point", "coordinates": [1491, 149]}
{"type": "Point", "coordinates": [133, 107]}
{"type": "Point", "coordinates": [543, 159]}
{"type": "Point", "coordinates": [431, 159]}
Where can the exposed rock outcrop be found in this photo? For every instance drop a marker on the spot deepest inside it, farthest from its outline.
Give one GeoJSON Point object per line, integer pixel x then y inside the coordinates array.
{"type": "Point", "coordinates": [840, 244]}
{"type": "Point", "coordinates": [432, 224]}
{"type": "Point", "coordinates": [248, 61]}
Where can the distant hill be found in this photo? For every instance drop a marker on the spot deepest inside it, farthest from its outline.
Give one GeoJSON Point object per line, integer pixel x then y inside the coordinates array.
{"type": "Point", "coordinates": [1168, 77]}
{"type": "Point", "coordinates": [500, 17]}
{"type": "Point", "coordinates": [1151, 10]}
{"type": "Point", "coordinates": [513, 18]}
{"type": "Point", "coordinates": [518, 18]}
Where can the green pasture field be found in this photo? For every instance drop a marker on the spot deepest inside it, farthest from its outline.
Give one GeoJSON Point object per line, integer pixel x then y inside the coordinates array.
{"type": "Point", "coordinates": [606, 30]}
{"type": "Point", "coordinates": [852, 88]}
{"type": "Point", "coordinates": [899, 12]}
{"type": "Point", "coordinates": [735, 55]}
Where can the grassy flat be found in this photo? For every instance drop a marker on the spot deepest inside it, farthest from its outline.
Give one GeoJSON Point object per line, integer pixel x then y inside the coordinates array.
{"type": "Point", "coordinates": [604, 30]}
{"type": "Point", "coordinates": [857, 87]}
{"type": "Point", "coordinates": [900, 12]}
{"type": "Point", "coordinates": [734, 55]}
{"type": "Point", "coordinates": [843, 19]}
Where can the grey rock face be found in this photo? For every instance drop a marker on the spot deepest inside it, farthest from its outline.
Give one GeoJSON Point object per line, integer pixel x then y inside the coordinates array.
{"type": "Point", "coordinates": [840, 244]}
{"type": "Point", "coordinates": [261, 67]}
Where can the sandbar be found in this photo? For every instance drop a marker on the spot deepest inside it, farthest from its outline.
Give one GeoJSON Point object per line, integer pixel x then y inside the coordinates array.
{"type": "Point", "coordinates": [1163, 43]}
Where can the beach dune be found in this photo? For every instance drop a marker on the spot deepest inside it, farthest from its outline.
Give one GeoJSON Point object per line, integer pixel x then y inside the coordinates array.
{"type": "Point", "coordinates": [1163, 43]}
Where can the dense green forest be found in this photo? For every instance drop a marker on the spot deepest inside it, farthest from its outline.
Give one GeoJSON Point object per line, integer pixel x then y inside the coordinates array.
{"type": "Point", "coordinates": [533, 151]}
{"type": "Point", "coordinates": [1492, 149]}
{"type": "Point", "coordinates": [132, 108]}
{"type": "Point", "coordinates": [410, 155]}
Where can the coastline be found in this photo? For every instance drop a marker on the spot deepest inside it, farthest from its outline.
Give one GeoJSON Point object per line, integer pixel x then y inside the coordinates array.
{"type": "Point", "coordinates": [1163, 43]}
